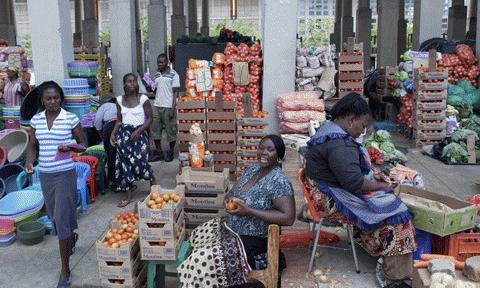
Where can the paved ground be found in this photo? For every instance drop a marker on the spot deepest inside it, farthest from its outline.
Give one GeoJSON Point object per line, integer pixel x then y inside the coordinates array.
{"type": "Point", "coordinates": [38, 266]}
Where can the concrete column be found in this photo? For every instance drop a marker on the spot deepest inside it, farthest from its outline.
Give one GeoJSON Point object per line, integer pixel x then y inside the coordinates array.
{"type": "Point", "coordinates": [138, 37]}
{"type": "Point", "coordinates": [337, 28]}
{"type": "Point", "coordinates": [279, 22]}
{"type": "Point", "coordinates": [192, 18]}
{"type": "Point", "coordinates": [427, 21]}
{"type": "Point", "coordinates": [77, 36]}
{"type": "Point", "coordinates": [457, 18]}
{"type": "Point", "coordinates": [387, 33]}
{"type": "Point", "coordinates": [364, 30]}
{"type": "Point", "coordinates": [122, 33]}
{"type": "Point", "coordinates": [477, 33]}
{"type": "Point", "coordinates": [205, 18]}
{"type": "Point", "coordinates": [50, 54]}
{"type": "Point", "coordinates": [347, 22]}
{"type": "Point", "coordinates": [7, 22]}
{"type": "Point", "coordinates": [472, 21]}
{"type": "Point", "coordinates": [178, 20]}
{"type": "Point", "coordinates": [89, 24]}
{"type": "Point", "coordinates": [402, 30]}
{"type": "Point", "coordinates": [157, 32]}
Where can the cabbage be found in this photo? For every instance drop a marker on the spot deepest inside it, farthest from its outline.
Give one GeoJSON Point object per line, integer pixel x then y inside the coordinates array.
{"type": "Point", "coordinates": [382, 136]}
{"type": "Point", "coordinates": [387, 147]}
{"type": "Point", "coordinates": [371, 143]}
{"type": "Point", "coordinates": [460, 135]}
{"type": "Point", "coordinates": [455, 153]}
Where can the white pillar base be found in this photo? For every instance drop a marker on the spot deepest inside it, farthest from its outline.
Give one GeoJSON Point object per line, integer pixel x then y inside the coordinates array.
{"type": "Point", "coordinates": [427, 21]}
{"type": "Point", "coordinates": [157, 33]}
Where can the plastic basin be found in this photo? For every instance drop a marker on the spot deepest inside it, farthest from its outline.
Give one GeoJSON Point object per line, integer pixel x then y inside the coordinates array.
{"type": "Point", "coordinates": [31, 233]}
{"type": "Point", "coordinates": [15, 143]}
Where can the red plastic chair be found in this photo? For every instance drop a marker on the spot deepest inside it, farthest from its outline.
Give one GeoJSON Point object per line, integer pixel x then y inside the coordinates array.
{"type": "Point", "coordinates": [317, 217]}
{"type": "Point", "coordinates": [92, 182]}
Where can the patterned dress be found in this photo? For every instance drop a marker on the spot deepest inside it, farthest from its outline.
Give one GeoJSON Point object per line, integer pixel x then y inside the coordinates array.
{"type": "Point", "coordinates": [132, 158]}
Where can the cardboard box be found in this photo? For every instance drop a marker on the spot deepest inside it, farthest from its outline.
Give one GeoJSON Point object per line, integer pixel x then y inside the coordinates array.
{"type": "Point", "coordinates": [246, 121]}
{"type": "Point", "coordinates": [257, 132]}
{"type": "Point", "coordinates": [167, 250]}
{"type": "Point", "coordinates": [166, 215]}
{"type": "Point", "coordinates": [432, 105]}
{"type": "Point", "coordinates": [204, 200]}
{"type": "Point", "coordinates": [199, 216]}
{"type": "Point", "coordinates": [421, 278]}
{"type": "Point", "coordinates": [161, 231]}
{"type": "Point", "coordinates": [462, 217]}
{"type": "Point", "coordinates": [128, 282]}
{"type": "Point", "coordinates": [120, 269]}
{"type": "Point", "coordinates": [125, 252]}
{"type": "Point", "coordinates": [196, 181]}
{"type": "Point", "coordinates": [218, 167]}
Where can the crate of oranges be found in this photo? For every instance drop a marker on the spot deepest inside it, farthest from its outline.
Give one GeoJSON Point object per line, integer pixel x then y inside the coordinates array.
{"type": "Point", "coordinates": [161, 205]}
{"type": "Point", "coordinates": [138, 280]}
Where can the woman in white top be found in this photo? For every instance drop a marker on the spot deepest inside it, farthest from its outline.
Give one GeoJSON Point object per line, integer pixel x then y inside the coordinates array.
{"type": "Point", "coordinates": [134, 116]}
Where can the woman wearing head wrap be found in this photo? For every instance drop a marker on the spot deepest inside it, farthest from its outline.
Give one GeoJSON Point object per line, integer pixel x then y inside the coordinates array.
{"type": "Point", "coordinates": [225, 250]}
{"type": "Point", "coordinates": [14, 88]}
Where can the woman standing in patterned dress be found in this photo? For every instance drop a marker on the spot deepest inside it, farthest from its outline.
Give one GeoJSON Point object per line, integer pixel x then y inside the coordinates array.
{"type": "Point", "coordinates": [134, 116]}
{"type": "Point", "coordinates": [224, 250]}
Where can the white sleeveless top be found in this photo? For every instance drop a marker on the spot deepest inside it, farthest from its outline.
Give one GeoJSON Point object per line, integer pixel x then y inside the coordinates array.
{"type": "Point", "coordinates": [133, 116]}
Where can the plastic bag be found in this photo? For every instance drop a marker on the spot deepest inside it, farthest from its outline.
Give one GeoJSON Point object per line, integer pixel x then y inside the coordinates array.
{"type": "Point", "coordinates": [218, 58]}
{"type": "Point", "coordinates": [196, 153]}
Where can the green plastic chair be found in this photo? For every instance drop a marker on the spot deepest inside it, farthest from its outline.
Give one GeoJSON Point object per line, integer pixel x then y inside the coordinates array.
{"type": "Point", "coordinates": [98, 151]}
{"type": "Point", "coordinates": [184, 252]}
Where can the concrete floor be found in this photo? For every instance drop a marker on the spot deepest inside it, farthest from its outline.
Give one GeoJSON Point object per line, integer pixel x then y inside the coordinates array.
{"type": "Point", "coordinates": [38, 266]}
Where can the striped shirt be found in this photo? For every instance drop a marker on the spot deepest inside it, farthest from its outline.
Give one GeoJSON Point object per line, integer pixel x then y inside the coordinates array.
{"type": "Point", "coordinates": [165, 84]}
{"type": "Point", "coordinates": [11, 93]}
{"type": "Point", "coordinates": [49, 140]}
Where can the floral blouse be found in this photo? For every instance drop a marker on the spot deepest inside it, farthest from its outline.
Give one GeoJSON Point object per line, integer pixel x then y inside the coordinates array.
{"type": "Point", "coordinates": [260, 196]}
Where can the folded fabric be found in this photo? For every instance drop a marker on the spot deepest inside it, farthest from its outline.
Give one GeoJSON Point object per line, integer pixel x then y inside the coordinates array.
{"type": "Point", "coordinates": [59, 156]}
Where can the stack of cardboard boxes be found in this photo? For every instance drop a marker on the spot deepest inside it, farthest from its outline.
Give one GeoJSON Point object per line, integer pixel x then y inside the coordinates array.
{"type": "Point", "coordinates": [204, 195]}
{"type": "Point", "coordinates": [162, 230]}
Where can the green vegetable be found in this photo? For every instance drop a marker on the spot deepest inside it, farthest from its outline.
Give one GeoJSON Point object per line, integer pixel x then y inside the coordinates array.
{"type": "Point", "coordinates": [396, 156]}
{"type": "Point", "coordinates": [372, 143]}
{"type": "Point", "coordinates": [382, 136]}
{"type": "Point", "coordinates": [459, 136]}
{"type": "Point", "coordinates": [455, 153]}
{"type": "Point", "coordinates": [387, 147]}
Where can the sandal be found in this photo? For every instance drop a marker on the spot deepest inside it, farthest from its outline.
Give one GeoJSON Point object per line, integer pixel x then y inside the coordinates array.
{"type": "Point", "coordinates": [65, 282]}
{"type": "Point", "coordinates": [124, 203]}
{"type": "Point", "coordinates": [75, 239]}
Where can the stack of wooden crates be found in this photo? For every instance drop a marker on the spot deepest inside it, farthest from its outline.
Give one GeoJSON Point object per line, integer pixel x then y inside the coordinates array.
{"type": "Point", "coordinates": [204, 195]}
{"type": "Point", "coordinates": [188, 113]}
{"type": "Point", "coordinates": [430, 104]}
{"type": "Point", "coordinates": [221, 133]}
{"type": "Point", "coordinates": [250, 132]}
{"type": "Point", "coordinates": [350, 70]}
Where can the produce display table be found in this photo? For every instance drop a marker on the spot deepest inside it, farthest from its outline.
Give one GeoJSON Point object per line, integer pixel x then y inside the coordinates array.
{"type": "Point", "coordinates": [160, 272]}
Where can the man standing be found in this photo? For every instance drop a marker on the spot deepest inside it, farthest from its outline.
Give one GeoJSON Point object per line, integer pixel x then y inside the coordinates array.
{"type": "Point", "coordinates": [166, 93]}
{"type": "Point", "coordinates": [104, 123]}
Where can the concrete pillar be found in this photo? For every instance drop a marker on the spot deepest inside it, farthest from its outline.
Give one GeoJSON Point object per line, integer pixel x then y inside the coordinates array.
{"type": "Point", "coordinates": [205, 18]}
{"type": "Point", "coordinates": [77, 36]}
{"type": "Point", "coordinates": [402, 30]}
{"type": "Point", "coordinates": [279, 22]}
{"type": "Point", "coordinates": [347, 22]}
{"type": "Point", "coordinates": [364, 30]}
{"type": "Point", "coordinates": [178, 20]}
{"type": "Point", "coordinates": [477, 34]}
{"type": "Point", "coordinates": [472, 22]}
{"type": "Point", "coordinates": [457, 18]}
{"type": "Point", "coordinates": [7, 22]}
{"type": "Point", "coordinates": [138, 37]}
{"type": "Point", "coordinates": [337, 28]}
{"type": "Point", "coordinates": [50, 54]}
{"type": "Point", "coordinates": [387, 33]}
{"type": "Point", "coordinates": [427, 21]}
{"type": "Point", "coordinates": [122, 33]}
{"type": "Point", "coordinates": [157, 32]}
{"type": "Point", "coordinates": [192, 18]}
{"type": "Point", "coordinates": [89, 24]}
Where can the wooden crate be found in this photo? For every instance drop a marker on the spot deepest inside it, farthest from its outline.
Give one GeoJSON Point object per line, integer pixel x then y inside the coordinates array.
{"type": "Point", "coordinates": [350, 71]}
{"type": "Point", "coordinates": [188, 113]}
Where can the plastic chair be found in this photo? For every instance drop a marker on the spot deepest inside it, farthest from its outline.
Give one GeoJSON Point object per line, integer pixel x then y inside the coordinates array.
{"type": "Point", "coordinates": [92, 183]}
{"type": "Point", "coordinates": [33, 183]}
{"type": "Point", "coordinates": [100, 172]}
{"type": "Point", "coordinates": [317, 218]}
{"type": "Point", "coordinates": [83, 173]}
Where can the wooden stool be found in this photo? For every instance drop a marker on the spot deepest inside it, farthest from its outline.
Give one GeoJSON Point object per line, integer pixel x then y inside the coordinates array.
{"type": "Point", "coordinates": [269, 277]}
{"type": "Point", "coordinates": [159, 265]}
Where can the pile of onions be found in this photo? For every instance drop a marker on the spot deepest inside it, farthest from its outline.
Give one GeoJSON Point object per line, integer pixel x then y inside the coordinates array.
{"type": "Point", "coordinates": [461, 66]}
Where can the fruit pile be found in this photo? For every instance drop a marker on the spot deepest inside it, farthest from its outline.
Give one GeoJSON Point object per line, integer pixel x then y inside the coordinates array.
{"type": "Point", "coordinates": [128, 217]}
{"type": "Point", "coordinates": [405, 116]}
{"type": "Point", "coordinates": [117, 237]}
{"type": "Point", "coordinates": [461, 65]}
{"type": "Point", "coordinates": [159, 201]}
{"type": "Point", "coordinates": [231, 205]}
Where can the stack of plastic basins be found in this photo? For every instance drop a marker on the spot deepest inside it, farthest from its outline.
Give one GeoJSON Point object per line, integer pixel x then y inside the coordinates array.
{"type": "Point", "coordinates": [77, 99]}
{"type": "Point", "coordinates": [7, 232]}
{"type": "Point", "coordinates": [11, 116]}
